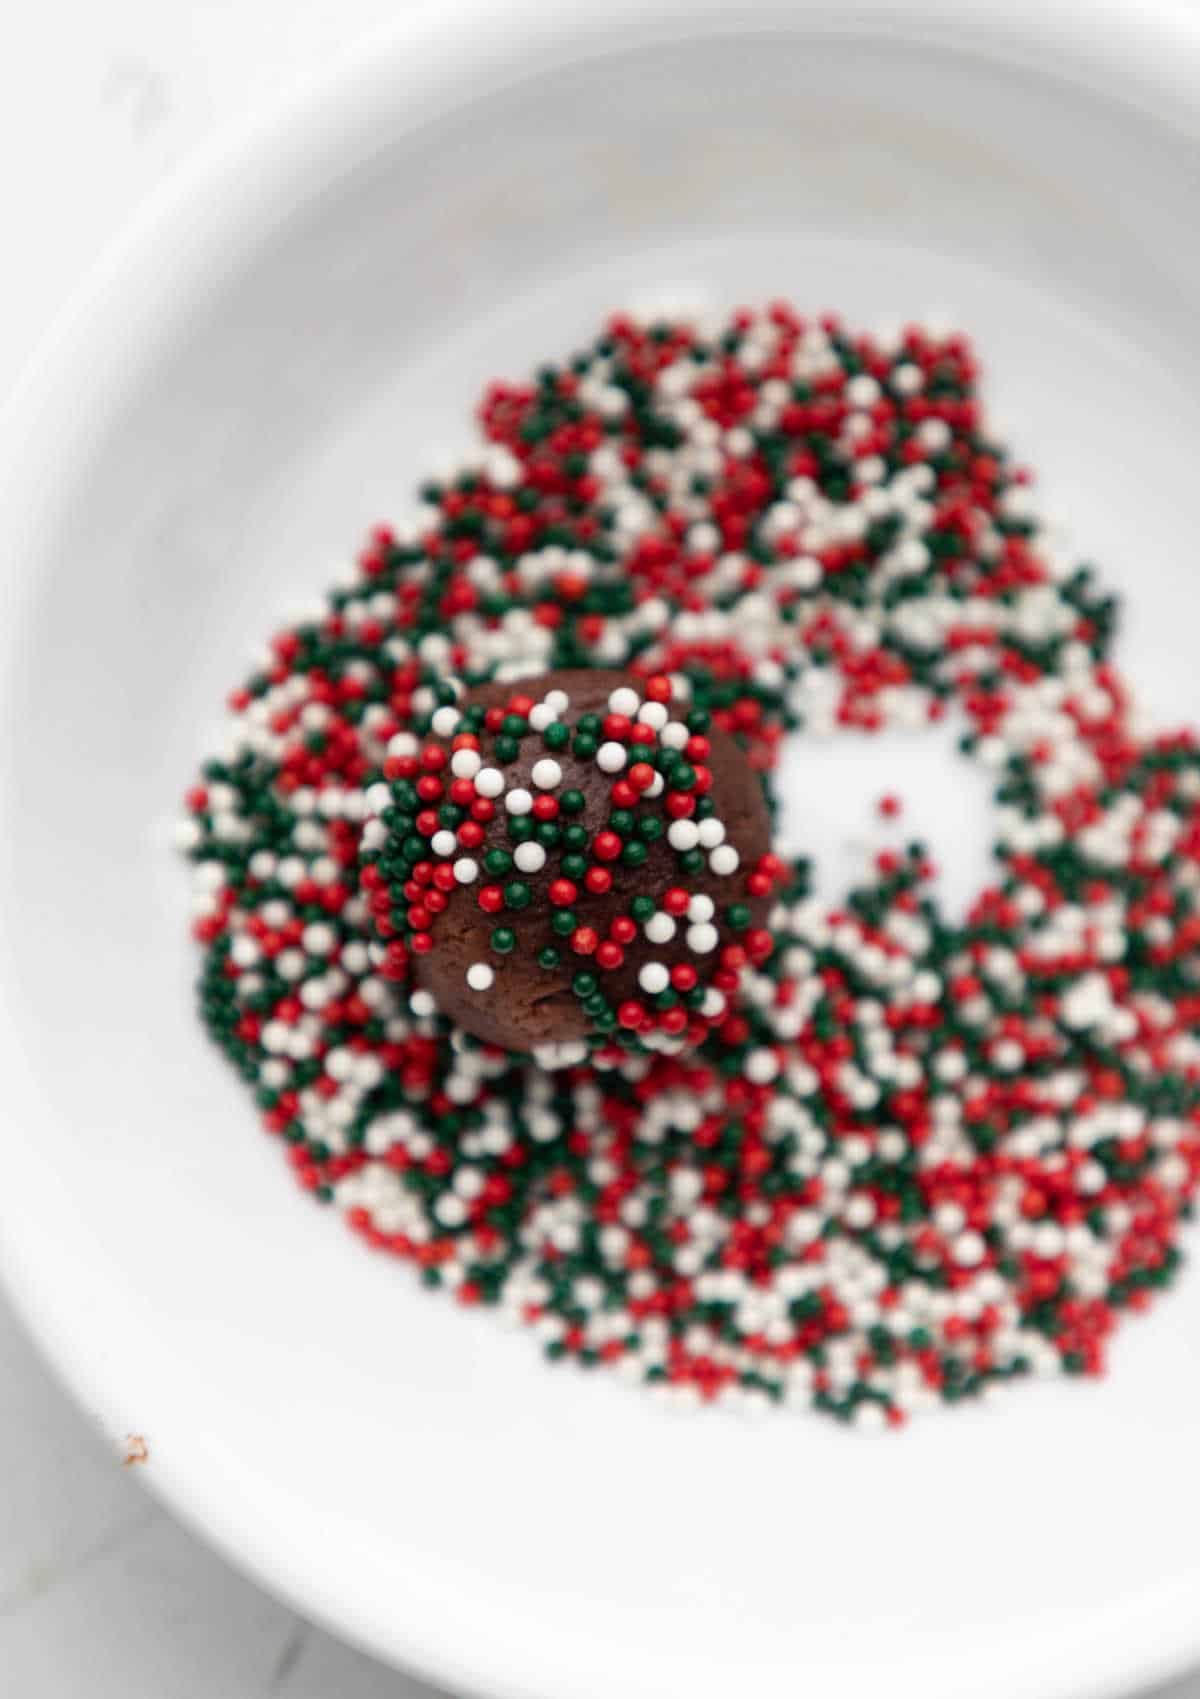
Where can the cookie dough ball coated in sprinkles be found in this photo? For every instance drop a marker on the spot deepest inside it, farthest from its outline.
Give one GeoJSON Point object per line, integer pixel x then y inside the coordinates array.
{"type": "Point", "coordinates": [578, 861]}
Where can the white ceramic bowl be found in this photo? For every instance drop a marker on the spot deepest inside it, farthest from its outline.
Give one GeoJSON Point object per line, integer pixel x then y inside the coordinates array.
{"type": "Point", "coordinates": [267, 365]}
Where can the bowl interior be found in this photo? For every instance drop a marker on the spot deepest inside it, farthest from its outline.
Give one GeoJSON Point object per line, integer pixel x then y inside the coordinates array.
{"type": "Point", "coordinates": [410, 1473]}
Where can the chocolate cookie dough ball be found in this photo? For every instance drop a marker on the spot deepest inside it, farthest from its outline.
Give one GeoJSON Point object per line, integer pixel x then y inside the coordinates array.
{"type": "Point", "coordinates": [571, 863]}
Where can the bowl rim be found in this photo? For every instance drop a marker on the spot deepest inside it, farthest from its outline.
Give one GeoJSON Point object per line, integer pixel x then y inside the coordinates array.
{"type": "Point", "coordinates": [128, 307]}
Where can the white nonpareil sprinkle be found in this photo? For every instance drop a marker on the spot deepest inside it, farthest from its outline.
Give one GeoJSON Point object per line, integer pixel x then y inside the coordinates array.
{"type": "Point", "coordinates": [465, 763]}
{"type": "Point", "coordinates": [624, 701]}
{"type": "Point", "coordinates": [683, 835]}
{"type": "Point", "coordinates": [611, 757]}
{"type": "Point", "coordinates": [546, 774]}
{"type": "Point", "coordinates": [529, 857]}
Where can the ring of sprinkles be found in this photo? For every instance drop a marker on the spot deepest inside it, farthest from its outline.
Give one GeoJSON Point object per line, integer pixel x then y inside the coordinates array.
{"type": "Point", "coordinates": [914, 1156]}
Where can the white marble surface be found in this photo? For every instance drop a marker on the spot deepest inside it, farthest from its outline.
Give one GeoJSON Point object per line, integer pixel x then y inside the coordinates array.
{"type": "Point", "coordinates": [101, 1593]}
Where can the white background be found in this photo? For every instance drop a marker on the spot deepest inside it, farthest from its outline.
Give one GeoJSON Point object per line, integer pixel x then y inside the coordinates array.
{"type": "Point", "coordinates": [101, 1594]}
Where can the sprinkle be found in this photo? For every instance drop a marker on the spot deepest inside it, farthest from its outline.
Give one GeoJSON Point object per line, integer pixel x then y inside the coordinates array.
{"type": "Point", "coordinates": [489, 782]}
{"type": "Point", "coordinates": [611, 757]}
{"type": "Point", "coordinates": [529, 857]}
{"type": "Point", "coordinates": [761, 1067]}
{"type": "Point", "coordinates": [724, 860]}
{"type": "Point", "coordinates": [546, 774]}
{"type": "Point", "coordinates": [518, 801]}
{"type": "Point", "coordinates": [480, 977]}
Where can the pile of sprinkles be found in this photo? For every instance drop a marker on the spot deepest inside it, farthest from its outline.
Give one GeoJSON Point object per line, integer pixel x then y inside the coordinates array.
{"type": "Point", "coordinates": [913, 1155]}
